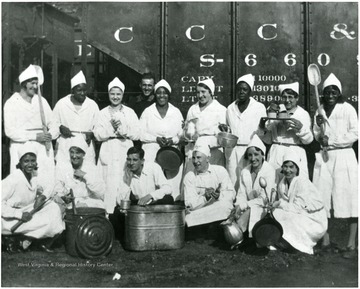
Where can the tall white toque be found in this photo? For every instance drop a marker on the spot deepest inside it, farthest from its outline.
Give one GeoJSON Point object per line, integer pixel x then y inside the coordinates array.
{"type": "Point", "coordinates": [116, 82]}
{"type": "Point", "coordinates": [209, 83]}
{"type": "Point", "coordinates": [78, 79]}
{"type": "Point", "coordinates": [332, 80]}
{"type": "Point", "coordinates": [28, 73]}
{"type": "Point", "coordinates": [293, 86]}
{"type": "Point", "coordinates": [247, 78]}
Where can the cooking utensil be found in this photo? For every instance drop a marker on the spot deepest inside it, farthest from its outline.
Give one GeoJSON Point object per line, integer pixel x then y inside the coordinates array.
{"type": "Point", "coordinates": [268, 230]}
{"type": "Point", "coordinates": [263, 184]}
{"type": "Point", "coordinates": [190, 133]}
{"type": "Point", "coordinates": [73, 201]}
{"type": "Point", "coordinates": [314, 78]}
{"type": "Point", "coordinates": [283, 115]}
{"type": "Point", "coordinates": [233, 234]}
{"type": "Point", "coordinates": [89, 234]}
{"type": "Point", "coordinates": [271, 114]}
{"type": "Point", "coordinates": [227, 140]}
{"type": "Point", "coordinates": [125, 204]}
{"type": "Point", "coordinates": [32, 212]}
{"type": "Point", "coordinates": [40, 75]}
{"type": "Point", "coordinates": [169, 158]}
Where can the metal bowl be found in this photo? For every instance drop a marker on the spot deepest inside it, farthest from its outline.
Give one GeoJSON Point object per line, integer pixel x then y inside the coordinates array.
{"type": "Point", "coordinates": [227, 140]}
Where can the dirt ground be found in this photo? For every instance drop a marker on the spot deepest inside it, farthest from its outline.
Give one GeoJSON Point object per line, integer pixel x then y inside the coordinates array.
{"type": "Point", "coordinates": [203, 262]}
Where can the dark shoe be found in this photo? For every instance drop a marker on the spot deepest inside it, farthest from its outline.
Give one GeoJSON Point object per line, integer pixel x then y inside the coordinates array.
{"type": "Point", "coordinates": [13, 248]}
{"type": "Point", "coordinates": [331, 248]}
{"type": "Point", "coordinates": [351, 253]}
{"type": "Point", "coordinates": [345, 249]}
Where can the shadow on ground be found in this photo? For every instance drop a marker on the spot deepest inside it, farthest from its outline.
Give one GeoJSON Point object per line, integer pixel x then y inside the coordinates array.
{"type": "Point", "coordinates": [201, 263]}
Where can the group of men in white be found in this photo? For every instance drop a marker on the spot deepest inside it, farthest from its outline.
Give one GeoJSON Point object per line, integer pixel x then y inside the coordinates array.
{"type": "Point", "coordinates": [215, 183]}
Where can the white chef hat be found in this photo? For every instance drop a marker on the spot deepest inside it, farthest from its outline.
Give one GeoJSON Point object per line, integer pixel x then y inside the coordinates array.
{"type": "Point", "coordinates": [28, 147]}
{"type": "Point", "coordinates": [293, 86]}
{"type": "Point", "coordinates": [292, 156]}
{"type": "Point", "coordinates": [247, 78]}
{"type": "Point", "coordinates": [162, 83]}
{"type": "Point", "coordinates": [116, 82]}
{"type": "Point", "coordinates": [202, 147]}
{"type": "Point", "coordinates": [28, 73]}
{"type": "Point", "coordinates": [209, 83]}
{"type": "Point", "coordinates": [79, 78]}
{"type": "Point", "coordinates": [78, 141]}
{"type": "Point", "coordinates": [256, 142]}
{"type": "Point", "coordinates": [332, 80]}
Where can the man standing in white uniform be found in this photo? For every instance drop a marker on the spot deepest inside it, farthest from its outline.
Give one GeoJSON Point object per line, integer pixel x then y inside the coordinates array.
{"type": "Point", "coordinates": [77, 115]}
{"type": "Point", "coordinates": [209, 192]}
{"type": "Point", "coordinates": [243, 117]}
{"type": "Point", "coordinates": [23, 125]}
{"type": "Point", "coordinates": [336, 175]}
{"type": "Point", "coordinates": [291, 134]}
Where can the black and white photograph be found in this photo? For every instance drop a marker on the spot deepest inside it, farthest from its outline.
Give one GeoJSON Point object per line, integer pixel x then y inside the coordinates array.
{"type": "Point", "coordinates": [179, 144]}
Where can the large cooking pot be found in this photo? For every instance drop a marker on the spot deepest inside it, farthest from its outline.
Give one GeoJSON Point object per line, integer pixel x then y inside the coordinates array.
{"type": "Point", "coordinates": [226, 139]}
{"type": "Point", "coordinates": [267, 231]}
{"type": "Point", "coordinates": [88, 233]}
{"type": "Point", "coordinates": [158, 227]}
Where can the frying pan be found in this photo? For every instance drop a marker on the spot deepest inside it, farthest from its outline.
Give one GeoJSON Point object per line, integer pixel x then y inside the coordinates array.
{"type": "Point", "coordinates": [169, 158]}
{"type": "Point", "coordinates": [314, 78]}
{"type": "Point", "coordinates": [40, 75]}
{"type": "Point", "coordinates": [267, 231]}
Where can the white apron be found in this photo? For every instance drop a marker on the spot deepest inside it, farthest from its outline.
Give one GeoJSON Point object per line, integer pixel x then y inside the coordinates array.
{"type": "Point", "coordinates": [113, 152]}
{"type": "Point", "coordinates": [244, 125]}
{"type": "Point", "coordinates": [337, 179]}
{"type": "Point", "coordinates": [153, 126]}
{"type": "Point", "coordinates": [22, 121]}
{"type": "Point", "coordinates": [303, 216]}
{"type": "Point", "coordinates": [18, 195]}
{"type": "Point", "coordinates": [217, 211]}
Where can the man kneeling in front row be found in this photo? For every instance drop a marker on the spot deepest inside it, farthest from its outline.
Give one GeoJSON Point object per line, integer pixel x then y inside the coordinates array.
{"type": "Point", "coordinates": [209, 192]}
{"type": "Point", "coordinates": [144, 182]}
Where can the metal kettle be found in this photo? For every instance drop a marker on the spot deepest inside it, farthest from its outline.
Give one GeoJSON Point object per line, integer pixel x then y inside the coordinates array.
{"type": "Point", "coordinates": [232, 232]}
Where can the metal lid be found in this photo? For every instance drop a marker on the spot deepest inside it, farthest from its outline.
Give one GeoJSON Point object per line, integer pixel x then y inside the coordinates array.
{"type": "Point", "coordinates": [94, 237]}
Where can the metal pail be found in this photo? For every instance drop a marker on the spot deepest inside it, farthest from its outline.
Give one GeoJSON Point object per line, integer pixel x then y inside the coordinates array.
{"type": "Point", "coordinates": [88, 233]}
{"type": "Point", "coordinates": [158, 227]}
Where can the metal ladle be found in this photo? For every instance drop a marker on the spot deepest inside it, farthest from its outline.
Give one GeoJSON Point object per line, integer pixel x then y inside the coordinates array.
{"type": "Point", "coordinates": [314, 78]}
